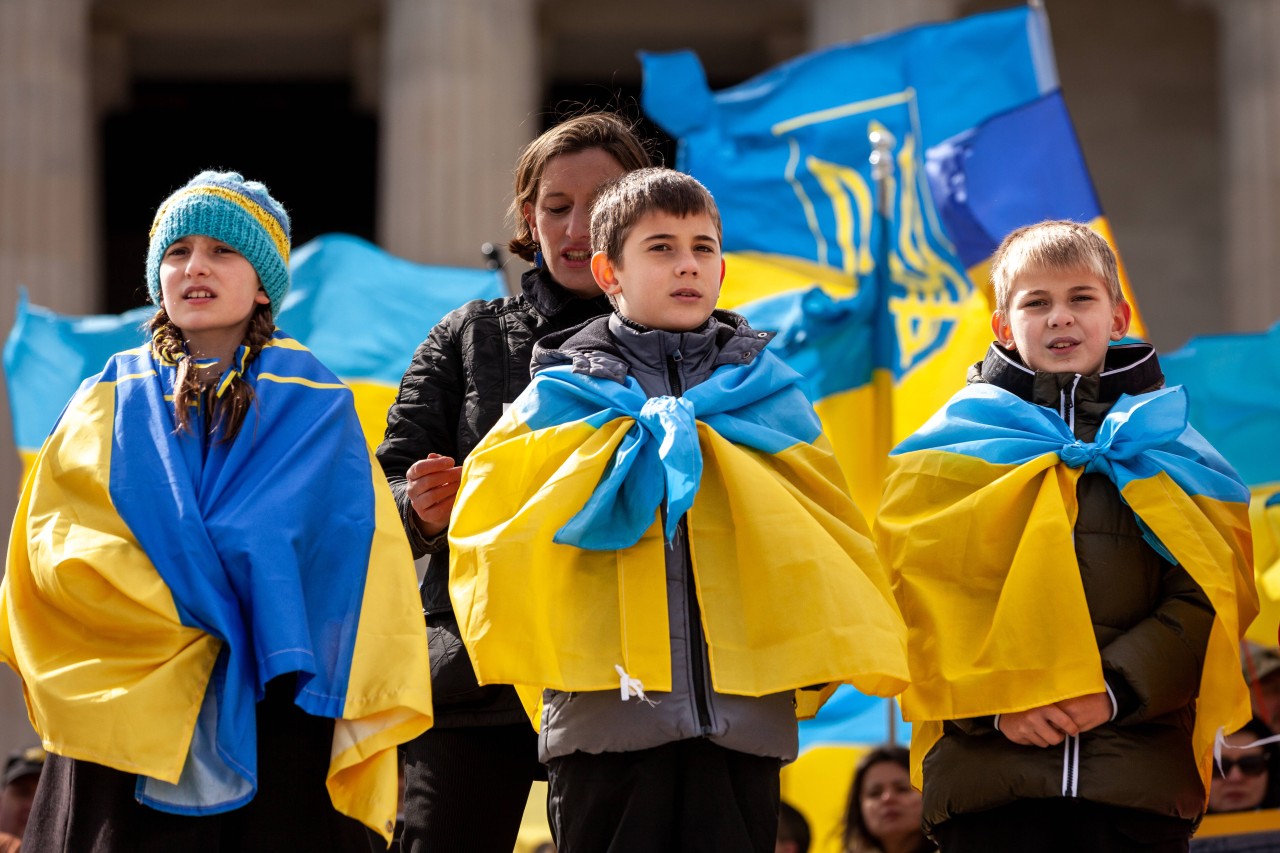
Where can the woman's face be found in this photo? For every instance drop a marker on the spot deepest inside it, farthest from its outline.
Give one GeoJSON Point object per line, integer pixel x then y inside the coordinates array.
{"type": "Point", "coordinates": [890, 806]}
{"type": "Point", "coordinates": [1245, 783]}
{"type": "Point", "coordinates": [560, 215]}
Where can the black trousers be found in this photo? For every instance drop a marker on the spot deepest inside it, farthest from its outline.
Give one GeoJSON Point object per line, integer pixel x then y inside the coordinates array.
{"type": "Point", "coordinates": [1061, 825]}
{"type": "Point", "coordinates": [465, 789]}
{"type": "Point", "coordinates": [82, 807]}
{"type": "Point", "coordinates": [689, 796]}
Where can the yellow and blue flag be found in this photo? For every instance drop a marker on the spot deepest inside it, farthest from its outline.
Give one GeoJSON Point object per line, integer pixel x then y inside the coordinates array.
{"type": "Point", "coordinates": [878, 287]}
{"type": "Point", "coordinates": [977, 523]}
{"type": "Point", "coordinates": [558, 534]}
{"type": "Point", "coordinates": [1234, 392]}
{"type": "Point", "coordinates": [157, 580]}
{"type": "Point", "coordinates": [360, 310]}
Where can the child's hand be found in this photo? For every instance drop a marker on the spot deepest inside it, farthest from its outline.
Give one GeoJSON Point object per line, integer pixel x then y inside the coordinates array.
{"type": "Point", "coordinates": [1088, 712]}
{"type": "Point", "coordinates": [1044, 726]}
{"type": "Point", "coordinates": [432, 484]}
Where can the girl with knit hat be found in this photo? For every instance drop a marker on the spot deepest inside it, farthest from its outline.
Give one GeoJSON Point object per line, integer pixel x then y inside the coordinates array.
{"type": "Point", "coordinates": [207, 590]}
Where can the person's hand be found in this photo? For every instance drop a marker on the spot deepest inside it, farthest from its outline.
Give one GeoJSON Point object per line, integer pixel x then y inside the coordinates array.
{"type": "Point", "coordinates": [1044, 726]}
{"type": "Point", "coordinates": [432, 484]}
{"type": "Point", "coordinates": [1088, 712]}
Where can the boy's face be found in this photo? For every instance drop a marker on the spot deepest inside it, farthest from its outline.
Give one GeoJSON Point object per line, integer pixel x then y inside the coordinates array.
{"type": "Point", "coordinates": [1061, 321]}
{"type": "Point", "coordinates": [669, 274]}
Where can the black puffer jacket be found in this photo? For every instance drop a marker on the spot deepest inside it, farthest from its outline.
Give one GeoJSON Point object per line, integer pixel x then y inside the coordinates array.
{"type": "Point", "coordinates": [1151, 622]}
{"type": "Point", "coordinates": [475, 361]}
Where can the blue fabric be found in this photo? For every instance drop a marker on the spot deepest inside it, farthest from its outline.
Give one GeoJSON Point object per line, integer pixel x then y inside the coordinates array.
{"type": "Point", "coordinates": [759, 405]}
{"type": "Point", "coordinates": [258, 546]}
{"type": "Point", "coordinates": [1234, 382]}
{"type": "Point", "coordinates": [1141, 436]}
{"type": "Point", "coordinates": [1032, 148]}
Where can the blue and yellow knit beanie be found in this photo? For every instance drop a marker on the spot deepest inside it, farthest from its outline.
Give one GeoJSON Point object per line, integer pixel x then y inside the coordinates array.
{"type": "Point", "coordinates": [240, 213]}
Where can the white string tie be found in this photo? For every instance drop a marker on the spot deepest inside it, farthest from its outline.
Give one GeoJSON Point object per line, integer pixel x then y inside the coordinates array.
{"type": "Point", "coordinates": [1220, 743]}
{"type": "Point", "coordinates": [631, 687]}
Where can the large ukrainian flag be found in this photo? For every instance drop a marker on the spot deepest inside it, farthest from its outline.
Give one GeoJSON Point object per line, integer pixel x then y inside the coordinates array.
{"type": "Point", "coordinates": [156, 581]}
{"type": "Point", "coordinates": [976, 525]}
{"type": "Point", "coordinates": [557, 540]}
{"type": "Point", "coordinates": [879, 288]}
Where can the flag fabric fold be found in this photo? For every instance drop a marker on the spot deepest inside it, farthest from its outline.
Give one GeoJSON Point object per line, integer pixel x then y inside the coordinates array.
{"type": "Point", "coordinates": [156, 581]}
{"type": "Point", "coordinates": [791, 590]}
{"type": "Point", "coordinates": [976, 525]}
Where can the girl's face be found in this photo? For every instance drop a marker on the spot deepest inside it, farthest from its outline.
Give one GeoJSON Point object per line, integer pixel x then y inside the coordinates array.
{"type": "Point", "coordinates": [1245, 783]}
{"type": "Point", "coordinates": [209, 291]}
{"type": "Point", "coordinates": [560, 215]}
{"type": "Point", "coordinates": [891, 808]}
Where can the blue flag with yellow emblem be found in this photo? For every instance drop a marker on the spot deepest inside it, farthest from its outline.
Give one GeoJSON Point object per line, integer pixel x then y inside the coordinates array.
{"type": "Point", "coordinates": [877, 285]}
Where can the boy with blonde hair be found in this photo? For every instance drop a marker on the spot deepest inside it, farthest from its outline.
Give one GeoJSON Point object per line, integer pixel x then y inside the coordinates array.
{"type": "Point", "coordinates": [656, 543]}
{"type": "Point", "coordinates": [1073, 562]}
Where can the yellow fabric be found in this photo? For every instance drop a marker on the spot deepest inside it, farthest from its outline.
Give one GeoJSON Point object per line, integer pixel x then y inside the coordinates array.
{"type": "Point", "coordinates": [95, 584]}
{"type": "Point", "coordinates": [984, 567]}
{"type": "Point", "coordinates": [791, 590]}
{"type": "Point", "coordinates": [364, 764]}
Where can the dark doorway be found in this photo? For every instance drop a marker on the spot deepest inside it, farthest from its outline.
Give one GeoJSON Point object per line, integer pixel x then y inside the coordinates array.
{"type": "Point", "coordinates": [306, 141]}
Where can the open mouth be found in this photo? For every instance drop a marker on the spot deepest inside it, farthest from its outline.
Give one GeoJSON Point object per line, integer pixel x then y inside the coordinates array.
{"type": "Point", "coordinates": [198, 294]}
{"type": "Point", "coordinates": [577, 256]}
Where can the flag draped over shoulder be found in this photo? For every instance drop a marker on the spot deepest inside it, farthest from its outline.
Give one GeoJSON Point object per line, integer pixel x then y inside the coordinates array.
{"type": "Point", "coordinates": [360, 310]}
{"type": "Point", "coordinates": [878, 287]}
{"type": "Point", "coordinates": [976, 525]}
{"type": "Point", "coordinates": [157, 580]}
{"type": "Point", "coordinates": [557, 540]}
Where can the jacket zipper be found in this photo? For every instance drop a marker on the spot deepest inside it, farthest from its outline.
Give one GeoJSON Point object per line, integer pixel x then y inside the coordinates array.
{"type": "Point", "coordinates": [1071, 766]}
{"type": "Point", "coordinates": [1070, 746]}
{"type": "Point", "coordinates": [1067, 404]}
{"type": "Point", "coordinates": [696, 642]}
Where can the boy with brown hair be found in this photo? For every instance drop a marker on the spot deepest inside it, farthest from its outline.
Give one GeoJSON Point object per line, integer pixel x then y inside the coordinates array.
{"type": "Point", "coordinates": [657, 543]}
{"type": "Point", "coordinates": [1073, 561]}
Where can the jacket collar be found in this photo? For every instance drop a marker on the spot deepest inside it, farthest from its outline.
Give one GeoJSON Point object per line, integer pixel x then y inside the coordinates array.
{"type": "Point", "coordinates": [550, 298]}
{"type": "Point", "coordinates": [608, 346]}
{"type": "Point", "coordinates": [1080, 399]}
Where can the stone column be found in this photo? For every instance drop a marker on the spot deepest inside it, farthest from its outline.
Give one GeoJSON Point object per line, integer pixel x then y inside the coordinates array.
{"type": "Point", "coordinates": [47, 205]}
{"type": "Point", "coordinates": [47, 196]}
{"type": "Point", "coordinates": [836, 21]}
{"type": "Point", "coordinates": [1249, 31]}
{"type": "Point", "coordinates": [460, 87]}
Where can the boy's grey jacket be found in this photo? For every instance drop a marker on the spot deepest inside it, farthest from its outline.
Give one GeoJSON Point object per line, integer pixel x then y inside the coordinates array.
{"type": "Point", "coordinates": [664, 363]}
{"type": "Point", "coordinates": [473, 364]}
{"type": "Point", "coordinates": [1151, 622]}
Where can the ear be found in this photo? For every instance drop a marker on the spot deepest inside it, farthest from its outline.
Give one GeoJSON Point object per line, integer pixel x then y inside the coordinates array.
{"type": "Point", "coordinates": [1002, 330]}
{"type": "Point", "coordinates": [526, 211]}
{"type": "Point", "coordinates": [722, 269]}
{"type": "Point", "coordinates": [261, 296]}
{"type": "Point", "coordinates": [605, 274]}
{"type": "Point", "coordinates": [1121, 316]}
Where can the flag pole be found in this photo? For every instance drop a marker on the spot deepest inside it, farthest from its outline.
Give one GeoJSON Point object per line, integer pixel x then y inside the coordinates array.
{"type": "Point", "coordinates": [881, 158]}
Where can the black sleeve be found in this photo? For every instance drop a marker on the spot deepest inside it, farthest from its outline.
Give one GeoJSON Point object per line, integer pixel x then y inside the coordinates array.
{"type": "Point", "coordinates": [424, 418]}
{"type": "Point", "coordinates": [1155, 666]}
